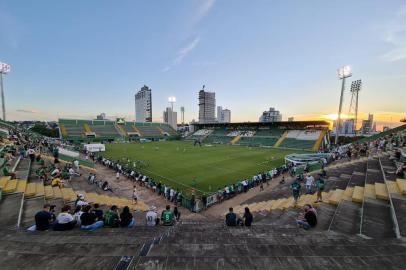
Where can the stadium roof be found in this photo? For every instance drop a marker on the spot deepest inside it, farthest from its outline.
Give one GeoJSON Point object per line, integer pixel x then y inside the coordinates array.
{"type": "Point", "coordinates": [268, 124]}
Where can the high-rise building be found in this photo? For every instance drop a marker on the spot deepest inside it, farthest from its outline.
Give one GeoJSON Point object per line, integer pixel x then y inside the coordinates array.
{"type": "Point", "coordinates": [270, 116]}
{"type": "Point", "coordinates": [347, 127]}
{"type": "Point", "coordinates": [218, 115]}
{"type": "Point", "coordinates": [225, 116]}
{"type": "Point", "coordinates": [368, 125]}
{"type": "Point", "coordinates": [182, 113]}
{"type": "Point", "coordinates": [143, 105]}
{"type": "Point", "coordinates": [207, 106]}
{"type": "Point", "coordinates": [171, 117]}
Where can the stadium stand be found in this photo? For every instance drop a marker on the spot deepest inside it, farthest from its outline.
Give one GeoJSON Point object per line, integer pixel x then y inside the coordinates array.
{"type": "Point", "coordinates": [300, 139]}
{"type": "Point", "coordinates": [307, 135]}
{"type": "Point", "coordinates": [361, 197]}
{"type": "Point", "coordinates": [88, 130]}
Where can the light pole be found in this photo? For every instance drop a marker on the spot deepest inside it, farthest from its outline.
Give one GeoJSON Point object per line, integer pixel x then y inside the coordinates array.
{"type": "Point", "coordinates": [172, 100]}
{"type": "Point", "coordinates": [343, 73]}
{"type": "Point", "coordinates": [4, 69]}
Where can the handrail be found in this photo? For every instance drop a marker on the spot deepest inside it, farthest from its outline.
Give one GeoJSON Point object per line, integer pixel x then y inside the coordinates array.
{"type": "Point", "coordinates": [392, 208]}
{"type": "Point", "coordinates": [339, 204]}
{"type": "Point", "coordinates": [363, 200]}
{"type": "Point", "coordinates": [20, 213]}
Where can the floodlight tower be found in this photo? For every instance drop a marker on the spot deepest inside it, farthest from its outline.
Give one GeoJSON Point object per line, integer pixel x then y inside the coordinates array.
{"type": "Point", "coordinates": [4, 69]}
{"type": "Point", "coordinates": [355, 88]}
{"type": "Point", "coordinates": [343, 73]}
{"type": "Point", "coordinates": [172, 100]}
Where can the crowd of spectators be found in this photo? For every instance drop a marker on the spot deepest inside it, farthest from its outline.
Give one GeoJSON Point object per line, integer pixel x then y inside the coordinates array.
{"type": "Point", "coordinates": [89, 217]}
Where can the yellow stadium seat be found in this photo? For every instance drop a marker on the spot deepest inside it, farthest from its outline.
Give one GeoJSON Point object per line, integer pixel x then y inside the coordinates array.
{"type": "Point", "coordinates": [402, 186]}
{"type": "Point", "coordinates": [369, 191]}
{"type": "Point", "coordinates": [21, 185]}
{"type": "Point", "coordinates": [336, 196]}
{"type": "Point", "coordinates": [358, 194]}
{"type": "Point", "coordinates": [326, 196]}
{"type": "Point", "coordinates": [11, 186]}
{"type": "Point", "coordinates": [57, 192]}
{"type": "Point", "coordinates": [68, 194]}
{"type": "Point", "coordinates": [39, 189]}
{"type": "Point", "coordinates": [290, 202]}
{"type": "Point", "coordinates": [381, 191]}
{"type": "Point", "coordinates": [347, 196]}
{"type": "Point", "coordinates": [49, 192]}
{"type": "Point", "coordinates": [393, 187]}
{"type": "Point", "coordinates": [30, 190]}
{"type": "Point", "coordinates": [4, 180]}
{"type": "Point", "coordinates": [279, 204]}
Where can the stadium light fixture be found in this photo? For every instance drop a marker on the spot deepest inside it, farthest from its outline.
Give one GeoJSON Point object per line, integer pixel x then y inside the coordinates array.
{"type": "Point", "coordinates": [4, 69]}
{"type": "Point", "coordinates": [343, 73]}
{"type": "Point", "coordinates": [172, 100]}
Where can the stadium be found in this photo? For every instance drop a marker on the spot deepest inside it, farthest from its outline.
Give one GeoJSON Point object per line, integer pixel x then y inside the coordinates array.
{"type": "Point", "coordinates": [98, 170]}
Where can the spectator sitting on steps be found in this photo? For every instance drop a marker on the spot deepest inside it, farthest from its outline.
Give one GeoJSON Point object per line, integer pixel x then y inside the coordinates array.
{"type": "Point", "coordinates": [167, 216]}
{"type": "Point", "coordinates": [231, 218]}
{"type": "Point", "coordinates": [307, 219]}
{"type": "Point", "coordinates": [64, 221]}
{"type": "Point", "coordinates": [6, 171]}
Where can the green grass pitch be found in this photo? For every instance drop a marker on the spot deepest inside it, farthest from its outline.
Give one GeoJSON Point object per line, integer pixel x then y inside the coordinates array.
{"type": "Point", "coordinates": [178, 163]}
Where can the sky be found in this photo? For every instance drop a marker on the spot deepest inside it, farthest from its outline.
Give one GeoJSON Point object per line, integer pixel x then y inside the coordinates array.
{"type": "Point", "coordinates": [75, 59]}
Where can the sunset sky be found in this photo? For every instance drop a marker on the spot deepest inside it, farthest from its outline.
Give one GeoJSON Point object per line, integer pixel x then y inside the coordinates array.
{"type": "Point", "coordinates": [75, 59]}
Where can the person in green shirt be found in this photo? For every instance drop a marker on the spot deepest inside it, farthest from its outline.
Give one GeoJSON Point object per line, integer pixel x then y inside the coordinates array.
{"type": "Point", "coordinates": [111, 218]}
{"type": "Point", "coordinates": [167, 216]}
{"type": "Point", "coordinates": [6, 171]}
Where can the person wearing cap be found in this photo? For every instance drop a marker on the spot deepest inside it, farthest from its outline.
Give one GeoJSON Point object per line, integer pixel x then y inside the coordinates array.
{"type": "Point", "coordinates": [80, 201]}
{"type": "Point", "coordinates": [151, 217]}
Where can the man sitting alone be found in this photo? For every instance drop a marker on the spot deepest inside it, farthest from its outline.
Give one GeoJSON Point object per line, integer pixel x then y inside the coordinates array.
{"type": "Point", "coordinates": [308, 219]}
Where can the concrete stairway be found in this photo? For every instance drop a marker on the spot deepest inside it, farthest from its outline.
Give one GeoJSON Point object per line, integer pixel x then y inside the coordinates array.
{"type": "Point", "coordinates": [268, 247]}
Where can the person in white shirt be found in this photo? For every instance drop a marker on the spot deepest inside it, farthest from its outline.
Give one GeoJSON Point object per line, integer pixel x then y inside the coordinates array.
{"type": "Point", "coordinates": [309, 183]}
{"type": "Point", "coordinates": [77, 214]}
{"type": "Point", "coordinates": [80, 201]}
{"type": "Point", "coordinates": [151, 217]}
{"type": "Point", "coordinates": [76, 164]}
{"type": "Point", "coordinates": [64, 221]}
{"type": "Point", "coordinates": [56, 172]}
{"type": "Point", "coordinates": [117, 175]}
{"type": "Point", "coordinates": [72, 172]}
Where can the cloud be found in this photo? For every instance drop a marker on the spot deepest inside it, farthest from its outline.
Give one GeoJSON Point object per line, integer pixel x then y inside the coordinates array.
{"type": "Point", "coordinates": [182, 53]}
{"type": "Point", "coordinates": [203, 10]}
{"type": "Point", "coordinates": [395, 35]}
{"type": "Point", "coordinates": [28, 111]}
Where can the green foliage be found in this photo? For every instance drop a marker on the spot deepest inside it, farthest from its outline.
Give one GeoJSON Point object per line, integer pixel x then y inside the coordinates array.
{"type": "Point", "coordinates": [43, 130]}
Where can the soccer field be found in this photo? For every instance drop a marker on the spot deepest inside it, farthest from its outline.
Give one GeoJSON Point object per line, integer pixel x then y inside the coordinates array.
{"type": "Point", "coordinates": [182, 165]}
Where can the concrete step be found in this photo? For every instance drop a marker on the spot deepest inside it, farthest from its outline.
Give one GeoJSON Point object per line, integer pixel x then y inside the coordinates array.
{"type": "Point", "coordinates": [10, 260]}
{"type": "Point", "coordinates": [274, 262]}
{"type": "Point", "coordinates": [9, 209]}
{"type": "Point", "coordinates": [30, 208]}
{"type": "Point", "coordinates": [347, 218]}
{"type": "Point", "coordinates": [247, 250]}
{"type": "Point", "coordinates": [73, 249]}
{"type": "Point", "coordinates": [376, 219]}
